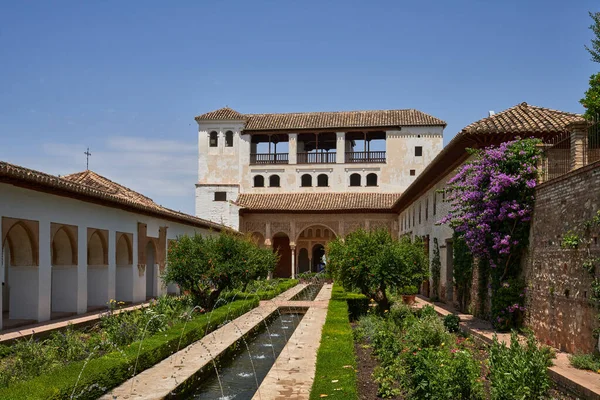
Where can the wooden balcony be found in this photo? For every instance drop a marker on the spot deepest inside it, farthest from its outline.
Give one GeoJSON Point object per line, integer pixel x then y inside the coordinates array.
{"type": "Point", "coordinates": [266, 158]}
{"type": "Point", "coordinates": [355, 157]}
{"type": "Point", "coordinates": [316, 158]}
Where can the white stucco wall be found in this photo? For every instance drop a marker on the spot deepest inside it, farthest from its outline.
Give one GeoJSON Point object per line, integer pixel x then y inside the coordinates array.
{"type": "Point", "coordinates": [80, 286]}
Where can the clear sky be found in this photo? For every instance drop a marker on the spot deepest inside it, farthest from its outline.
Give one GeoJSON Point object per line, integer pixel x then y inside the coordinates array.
{"type": "Point", "coordinates": [126, 78]}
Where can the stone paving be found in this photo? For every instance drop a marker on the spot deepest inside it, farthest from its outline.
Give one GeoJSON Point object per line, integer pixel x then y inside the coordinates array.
{"type": "Point", "coordinates": [159, 381]}
{"type": "Point", "coordinates": [583, 383]}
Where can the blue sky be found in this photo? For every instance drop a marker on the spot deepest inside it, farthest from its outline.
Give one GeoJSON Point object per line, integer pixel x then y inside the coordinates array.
{"type": "Point", "coordinates": [126, 78]}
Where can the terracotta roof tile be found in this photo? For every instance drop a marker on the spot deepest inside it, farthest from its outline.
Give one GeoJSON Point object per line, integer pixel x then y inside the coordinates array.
{"type": "Point", "coordinates": [325, 120]}
{"type": "Point", "coordinates": [89, 185]}
{"type": "Point", "coordinates": [317, 201]}
{"type": "Point", "coordinates": [524, 118]}
{"type": "Point", "coordinates": [222, 114]}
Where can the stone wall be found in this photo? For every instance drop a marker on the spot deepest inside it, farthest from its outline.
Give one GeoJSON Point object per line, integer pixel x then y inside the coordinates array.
{"type": "Point", "coordinates": [559, 287]}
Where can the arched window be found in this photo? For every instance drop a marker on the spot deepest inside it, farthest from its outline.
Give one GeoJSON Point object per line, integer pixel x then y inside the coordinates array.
{"type": "Point", "coordinates": [274, 181]}
{"type": "Point", "coordinates": [322, 180]}
{"type": "Point", "coordinates": [228, 139]}
{"type": "Point", "coordinates": [214, 139]}
{"type": "Point", "coordinates": [306, 180]}
{"type": "Point", "coordinates": [355, 180]}
{"type": "Point", "coordinates": [372, 180]}
{"type": "Point", "coordinates": [259, 181]}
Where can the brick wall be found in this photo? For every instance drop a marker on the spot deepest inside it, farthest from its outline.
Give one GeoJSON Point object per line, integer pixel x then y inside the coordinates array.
{"type": "Point", "coordinates": [559, 287]}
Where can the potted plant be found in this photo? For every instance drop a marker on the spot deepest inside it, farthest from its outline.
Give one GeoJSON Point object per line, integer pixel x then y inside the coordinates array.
{"type": "Point", "coordinates": [408, 294]}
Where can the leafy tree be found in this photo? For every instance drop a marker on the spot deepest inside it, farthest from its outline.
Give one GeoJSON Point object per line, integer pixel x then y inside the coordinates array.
{"type": "Point", "coordinates": [372, 262]}
{"type": "Point", "coordinates": [591, 101]}
{"type": "Point", "coordinates": [595, 27]}
{"type": "Point", "coordinates": [462, 270]}
{"type": "Point", "coordinates": [206, 265]}
{"type": "Point", "coordinates": [436, 269]}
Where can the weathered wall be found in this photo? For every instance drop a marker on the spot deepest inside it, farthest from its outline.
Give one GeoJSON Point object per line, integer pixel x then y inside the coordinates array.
{"type": "Point", "coordinates": [558, 297]}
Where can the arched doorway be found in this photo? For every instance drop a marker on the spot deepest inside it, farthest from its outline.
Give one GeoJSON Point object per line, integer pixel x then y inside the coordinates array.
{"type": "Point", "coordinates": [97, 268]}
{"type": "Point", "coordinates": [124, 259]}
{"type": "Point", "coordinates": [281, 245]}
{"type": "Point", "coordinates": [150, 270]}
{"type": "Point", "coordinates": [318, 252]}
{"type": "Point", "coordinates": [20, 273]}
{"type": "Point", "coordinates": [303, 260]}
{"type": "Point", "coordinates": [64, 271]}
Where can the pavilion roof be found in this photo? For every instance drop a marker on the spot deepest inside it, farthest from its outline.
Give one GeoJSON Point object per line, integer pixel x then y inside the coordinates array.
{"type": "Point", "coordinates": [317, 201]}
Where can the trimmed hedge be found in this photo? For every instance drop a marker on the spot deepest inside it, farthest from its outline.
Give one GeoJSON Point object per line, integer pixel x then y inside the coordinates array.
{"type": "Point", "coordinates": [336, 360]}
{"type": "Point", "coordinates": [106, 372]}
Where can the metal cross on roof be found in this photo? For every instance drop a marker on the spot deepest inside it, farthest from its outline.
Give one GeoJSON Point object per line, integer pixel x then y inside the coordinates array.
{"type": "Point", "coordinates": [87, 158]}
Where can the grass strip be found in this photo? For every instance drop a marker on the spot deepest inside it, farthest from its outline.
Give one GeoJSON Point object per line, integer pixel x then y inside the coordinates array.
{"type": "Point", "coordinates": [106, 372]}
{"type": "Point", "coordinates": [335, 376]}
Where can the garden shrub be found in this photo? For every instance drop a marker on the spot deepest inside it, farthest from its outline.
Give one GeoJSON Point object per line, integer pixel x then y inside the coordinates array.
{"type": "Point", "coordinates": [205, 266]}
{"type": "Point", "coordinates": [585, 361]}
{"type": "Point", "coordinates": [372, 262]}
{"type": "Point", "coordinates": [452, 323]}
{"type": "Point", "coordinates": [428, 331]}
{"type": "Point", "coordinates": [427, 311]}
{"type": "Point", "coordinates": [519, 371]}
{"type": "Point", "coordinates": [402, 315]}
{"type": "Point", "coordinates": [358, 305]}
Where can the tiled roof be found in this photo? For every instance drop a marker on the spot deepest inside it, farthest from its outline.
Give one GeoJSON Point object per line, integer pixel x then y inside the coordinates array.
{"type": "Point", "coordinates": [222, 114]}
{"type": "Point", "coordinates": [524, 118]}
{"type": "Point", "coordinates": [93, 187]}
{"type": "Point", "coordinates": [325, 120]}
{"type": "Point", "coordinates": [317, 201]}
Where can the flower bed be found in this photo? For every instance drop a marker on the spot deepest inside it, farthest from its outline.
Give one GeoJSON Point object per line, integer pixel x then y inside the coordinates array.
{"type": "Point", "coordinates": [335, 374]}
{"type": "Point", "coordinates": [418, 357]}
{"type": "Point", "coordinates": [108, 353]}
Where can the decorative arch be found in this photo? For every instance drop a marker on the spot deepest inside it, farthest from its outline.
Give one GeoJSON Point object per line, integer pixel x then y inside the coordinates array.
{"type": "Point", "coordinates": [313, 227]}
{"type": "Point", "coordinates": [303, 260]}
{"type": "Point", "coordinates": [259, 181]}
{"type": "Point", "coordinates": [21, 242]}
{"type": "Point", "coordinates": [124, 253]}
{"type": "Point", "coordinates": [322, 180]}
{"type": "Point", "coordinates": [355, 180]}
{"type": "Point", "coordinates": [64, 245]}
{"type": "Point", "coordinates": [97, 251]}
{"type": "Point", "coordinates": [281, 245]}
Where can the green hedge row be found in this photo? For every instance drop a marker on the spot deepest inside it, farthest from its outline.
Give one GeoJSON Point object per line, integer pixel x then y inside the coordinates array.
{"type": "Point", "coordinates": [336, 362]}
{"type": "Point", "coordinates": [106, 372]}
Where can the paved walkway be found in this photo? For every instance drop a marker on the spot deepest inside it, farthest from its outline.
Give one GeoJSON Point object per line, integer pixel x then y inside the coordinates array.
{"type": "Point", "coordinates": [159, 381]}
{"type": "Point", "coordinates": [293, 373]}
{"type": "Point", "coordinates": [583, 383]}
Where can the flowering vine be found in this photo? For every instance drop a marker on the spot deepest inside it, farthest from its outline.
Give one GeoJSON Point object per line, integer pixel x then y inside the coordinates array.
{"type": "Point", "coordinates": [491, 202]}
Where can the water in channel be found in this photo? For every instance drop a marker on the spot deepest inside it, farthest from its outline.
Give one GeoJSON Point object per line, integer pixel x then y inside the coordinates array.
{"type": "Point", "coordinates": [309, 293]}
{"type": "Point", "coordinates": [236, 374]}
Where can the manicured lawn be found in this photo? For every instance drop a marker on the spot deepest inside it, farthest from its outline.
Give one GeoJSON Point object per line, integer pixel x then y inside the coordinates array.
{"type": "Point", "coordinates": [335, 376]}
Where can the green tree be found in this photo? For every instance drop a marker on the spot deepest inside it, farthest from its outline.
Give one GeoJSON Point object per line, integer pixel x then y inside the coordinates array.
{"type": "Point", "coordinates": [372, 262]}
{"type": "Point", "coordinates": [591, 101]}
{"type": "Point", "coordinates": [595, 27]}
{"type": "Point", "coordinates": [436, 269]}
{"type": "Point", "coordinates": [462, 270]}
{"type": "Point", "coordinates": [204, 266]}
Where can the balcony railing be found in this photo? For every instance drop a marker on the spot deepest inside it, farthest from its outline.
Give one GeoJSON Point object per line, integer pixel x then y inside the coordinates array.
{"type": "Point", "coordinates": [266, 158]}
{"type": "Point", "coordinates": [365, 156]}
{"type": "Point", "coordinates": [316, 158]}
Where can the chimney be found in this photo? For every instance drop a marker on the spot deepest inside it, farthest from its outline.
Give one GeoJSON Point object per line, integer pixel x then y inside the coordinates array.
{"type": "Point", "coordinates": [491, 112]}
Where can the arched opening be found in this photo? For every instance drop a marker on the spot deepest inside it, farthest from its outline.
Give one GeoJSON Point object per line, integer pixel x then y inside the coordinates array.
{"type": "Point", "coordinates": [322, 180]}
{"type": "Point", "coordinates": [303, 260]}
{"type": "Point", "coordinates": [258, 239]}
{"type": "Point", "coordinates": [355, 180]}
{"type": "Point", "coordinates": [318, 253]}
{"type": "Point", "coordinates": [259, 181]}
{"type": "Point", "coordinates": [151, 283]}
{"type": "Point", "coordinates": [228, 139]}
{"type": "Point", "coordinates": [20, 273]}
{"type": "Point", "coordinates": [64, 271]}
{"type": "Point", "coordinates": [124, 258]}
{"type": "Point", "coordinates": [372, 179]}
{"type": "Point", "coordinates": [97, 269]}
{"type": "Point", "coordinates": [281, 245]}
{"type": "Point", "coordinates": [306, 180]}
{"type": "Point", "coordinates": [214, 139]}
{"type": "Point", "coordinates": [274, 181]}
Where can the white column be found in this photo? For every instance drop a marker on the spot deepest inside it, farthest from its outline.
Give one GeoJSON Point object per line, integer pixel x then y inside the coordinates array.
{"type": "Point", "coordinates": [82, 294]}
{"type": "Point", "coordinates": [136, 281]}
{"type": "Point", "coordinates": [44, 272]}
{"type": "Point", "coordinates": [340, 147]}
{"type": "Point", "coordinates": [112, 264]}
{"type": "Point", "coordinates": [293, 148]}
{"type": "Point", "coordinates": [293, 247]}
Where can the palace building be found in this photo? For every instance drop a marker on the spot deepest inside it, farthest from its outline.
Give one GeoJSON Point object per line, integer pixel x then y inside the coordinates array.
{"type": "Point", "coordinates": [297, 180]}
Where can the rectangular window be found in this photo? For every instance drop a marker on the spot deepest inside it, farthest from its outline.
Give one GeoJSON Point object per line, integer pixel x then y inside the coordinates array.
{"type": "Point", "coordinates": [412, 172]}
{"type": "Point", "coordinates": [418, 151]}
{"type": "Point", "coordinates": [419, 213]}
{"type": "Point", "coordinates": [214, 139]}
{"type": "Point", "coordinates": [426, 209]}
{"type": "Point", "coordinates": [414, 213]}
{"type": "Point", "coordinates": [220, 196]}
{"type": "Point", "coordinates": [228, 139]}
{"type": "Point", "coordinates": [434, 201]}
